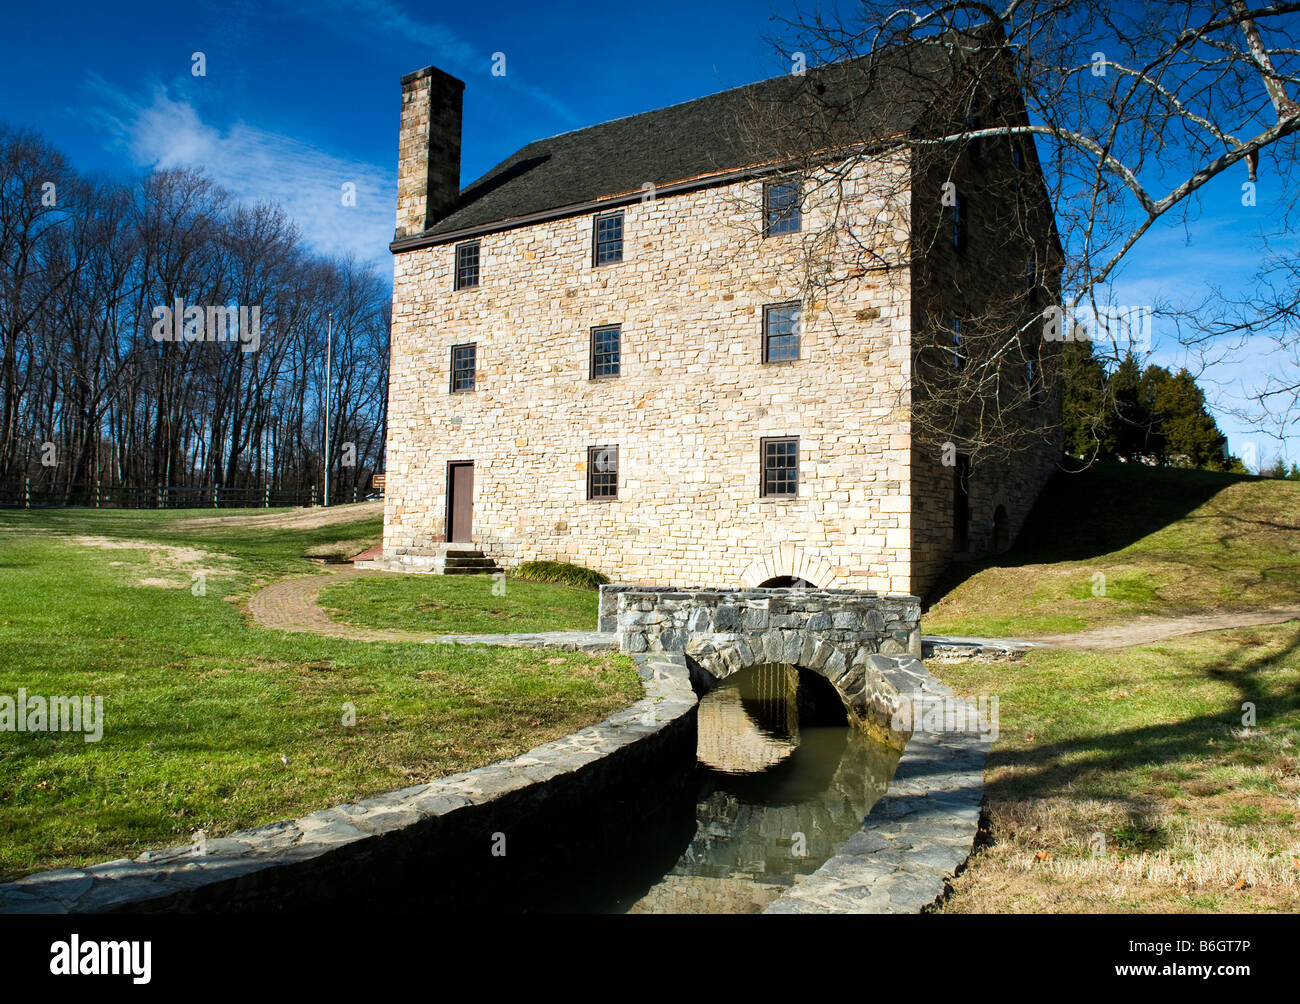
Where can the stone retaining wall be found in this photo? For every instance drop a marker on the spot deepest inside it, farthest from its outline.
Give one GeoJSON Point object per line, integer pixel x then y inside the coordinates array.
{"type": "Point", "coordinates": [415, 850]}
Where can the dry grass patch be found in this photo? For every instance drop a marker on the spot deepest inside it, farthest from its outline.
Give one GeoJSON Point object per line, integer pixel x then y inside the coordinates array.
{"type": "Point", "coordinates": [311, 518]}
{"type": "Point", "coordinates": [1062, 855]}
{"type": "Point", "coordinates": [342, 550]}
{"type": "Point", "coordinates": [185, 561]}
{"type": "Point", "coordinates": [1132, 781]}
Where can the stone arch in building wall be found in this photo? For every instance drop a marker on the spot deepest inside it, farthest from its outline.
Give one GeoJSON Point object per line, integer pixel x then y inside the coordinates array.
{"type": "Point", "coordinates": [789, 561]}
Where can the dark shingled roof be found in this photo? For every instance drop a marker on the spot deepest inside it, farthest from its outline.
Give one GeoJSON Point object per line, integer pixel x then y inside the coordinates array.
{"type": "Point", "coordinates": [864, 99]}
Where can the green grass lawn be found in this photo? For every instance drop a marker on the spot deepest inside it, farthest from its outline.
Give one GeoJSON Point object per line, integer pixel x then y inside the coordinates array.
{"type": "Point", "coordinates": [1127, 781]}
{"type": "Point", "coordinates": [1118, 541]}
{"type": "Point", "coordinates": [202, 709]}
{"type": "Point", "coordinates": [460, 604]}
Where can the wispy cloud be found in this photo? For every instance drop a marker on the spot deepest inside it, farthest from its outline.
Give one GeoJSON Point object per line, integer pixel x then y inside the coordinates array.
{"type": "Point", "coordinates": [386, 20]}
{"type": "Point", "coordinates": [254, 165]}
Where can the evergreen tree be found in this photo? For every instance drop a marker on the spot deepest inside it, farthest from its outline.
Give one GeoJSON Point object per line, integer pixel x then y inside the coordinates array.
{"type": "Point", "coordinates": [1138, 414]}
{"type": "Point", "coordinates": [1190, 433]}
{"type": "Point", "coordinates": [1085, 410]}
{"type": "Point", "coordinates": [1131, 419]}
{"type": "Point", "coordinates": [1155, 443]}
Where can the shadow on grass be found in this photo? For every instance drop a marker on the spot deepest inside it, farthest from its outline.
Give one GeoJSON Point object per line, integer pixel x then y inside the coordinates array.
{"type": "Point", "coordinates": [1089, 513]}
{"type": "Point", "coordinates": [1041, 770]}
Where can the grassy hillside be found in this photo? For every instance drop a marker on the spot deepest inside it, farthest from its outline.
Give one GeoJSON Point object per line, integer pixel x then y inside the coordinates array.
{"type": "Point", "coordinates": [1156, 778]}
{"type": "Point", "coordinates": [1116, 541]}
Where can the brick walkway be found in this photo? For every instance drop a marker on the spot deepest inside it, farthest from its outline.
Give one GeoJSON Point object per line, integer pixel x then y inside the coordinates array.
{"type": "Point", "coordinates": [291, 605]}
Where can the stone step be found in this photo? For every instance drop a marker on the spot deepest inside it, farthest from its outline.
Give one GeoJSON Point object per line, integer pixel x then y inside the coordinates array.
{"type": "Point", "coordinates": [467, 561]}
{"type": "Point", "coordinates": [982, 649]}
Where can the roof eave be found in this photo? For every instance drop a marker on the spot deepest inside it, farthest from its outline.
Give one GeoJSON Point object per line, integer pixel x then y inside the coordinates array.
{"type": "Point", "coordinates": [416, 241]}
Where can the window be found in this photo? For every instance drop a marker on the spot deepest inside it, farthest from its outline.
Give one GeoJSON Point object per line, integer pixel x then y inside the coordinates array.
{"type": "Point", "coordinates": [780, 332]}
{"type": "Point", "coordinates": [607, 239]}
{"type": "Point", "coordinates": [959, 222]}
{"type": "Point", "coordinates": [467, 264]}
{"type": "Point", "coordinates": [780, 460]}
{"type": "Point", "coordinates": [602, 472]}
{"type": "Point", "coordinates": [961, 505]}
{"type": "Point", "coordinates": [958, 356]}
{"type": "Point", "coordinates": [1018, 159]}
{"type": "Point", "coordinates": [1033, 374]}
{"type": "Point", "coordinates": [781, 207]}
{"type": "Point", "coordinates": [462, 367]}
{"type": "Point", "coordinates": [1030, 273]}
{"type": "Point", "coordinates": [606, 343]}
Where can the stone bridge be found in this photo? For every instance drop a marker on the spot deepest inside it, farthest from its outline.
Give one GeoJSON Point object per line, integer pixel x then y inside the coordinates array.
{"type": "Point", "coordinates": [846, 636]}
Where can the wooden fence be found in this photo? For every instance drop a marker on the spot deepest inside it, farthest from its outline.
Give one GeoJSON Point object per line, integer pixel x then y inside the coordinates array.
{"type": "Point", "coordinates": [29, 494]}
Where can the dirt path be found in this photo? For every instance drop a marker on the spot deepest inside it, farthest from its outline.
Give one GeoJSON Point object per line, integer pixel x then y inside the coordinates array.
{"type": "Point", "coordinates": [292, 605]}
{"type": "Point", "coordinates": [301, 519]}
{"type": "Point", "coordinates": [1146, 630]}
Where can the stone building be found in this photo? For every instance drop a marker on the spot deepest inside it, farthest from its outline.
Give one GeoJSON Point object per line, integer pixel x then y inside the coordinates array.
{"type": "Point", "coordinates": [682, 347]}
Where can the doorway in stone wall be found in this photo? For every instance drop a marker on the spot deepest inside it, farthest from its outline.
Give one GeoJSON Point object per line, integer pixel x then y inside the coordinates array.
{"type": "Point", "coordinates": [999, 529]}
{"type": "Point", "coordinates": [460, 502]}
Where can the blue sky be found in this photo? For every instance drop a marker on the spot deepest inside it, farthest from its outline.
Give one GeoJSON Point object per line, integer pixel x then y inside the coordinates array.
{"type": "Point", "coordinates": [298, 100]}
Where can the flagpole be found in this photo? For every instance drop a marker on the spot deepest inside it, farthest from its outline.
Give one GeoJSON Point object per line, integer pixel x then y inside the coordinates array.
{"type": "Point", "coordinates": [329, 344]}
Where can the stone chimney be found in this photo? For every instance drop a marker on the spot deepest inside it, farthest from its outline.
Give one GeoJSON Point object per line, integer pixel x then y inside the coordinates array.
{"type": "Point", "coordinates": [428, 157]}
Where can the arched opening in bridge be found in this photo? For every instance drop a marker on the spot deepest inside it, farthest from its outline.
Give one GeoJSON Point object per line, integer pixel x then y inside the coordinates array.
{"type": "Point", "coordinates": [786, 582]}
{"type": "Point", "coordinates": [752, 721]}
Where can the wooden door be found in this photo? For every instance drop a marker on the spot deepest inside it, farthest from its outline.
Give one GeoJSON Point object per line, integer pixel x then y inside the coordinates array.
{"type": "Point", "coordinates": [460, 503]}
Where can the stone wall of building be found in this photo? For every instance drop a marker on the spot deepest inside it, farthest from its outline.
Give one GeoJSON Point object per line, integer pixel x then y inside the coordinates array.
{"type": "Point", "coordinates": [687, 413]}
{"type": "Point", "coordinates": [1011, 437]}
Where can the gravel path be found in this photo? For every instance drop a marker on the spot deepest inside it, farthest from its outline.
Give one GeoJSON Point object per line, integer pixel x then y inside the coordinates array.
{"type": "Point", "coordinates": [1146, 630]}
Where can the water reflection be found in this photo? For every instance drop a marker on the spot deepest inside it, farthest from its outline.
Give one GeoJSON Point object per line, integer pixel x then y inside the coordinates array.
{"type": "Point", "coordinates": [752, 724]}
{"type": "Point", "coordinates": [783, 782]}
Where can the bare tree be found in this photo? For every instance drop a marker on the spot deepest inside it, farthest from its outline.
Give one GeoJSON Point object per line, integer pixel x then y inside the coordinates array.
{"type": "Point", "coordinates": [85, 265]}
{"type": "Point", "coordinates": [31, 177]}
{"type": "Point", "coordinates": [1128, 110]}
